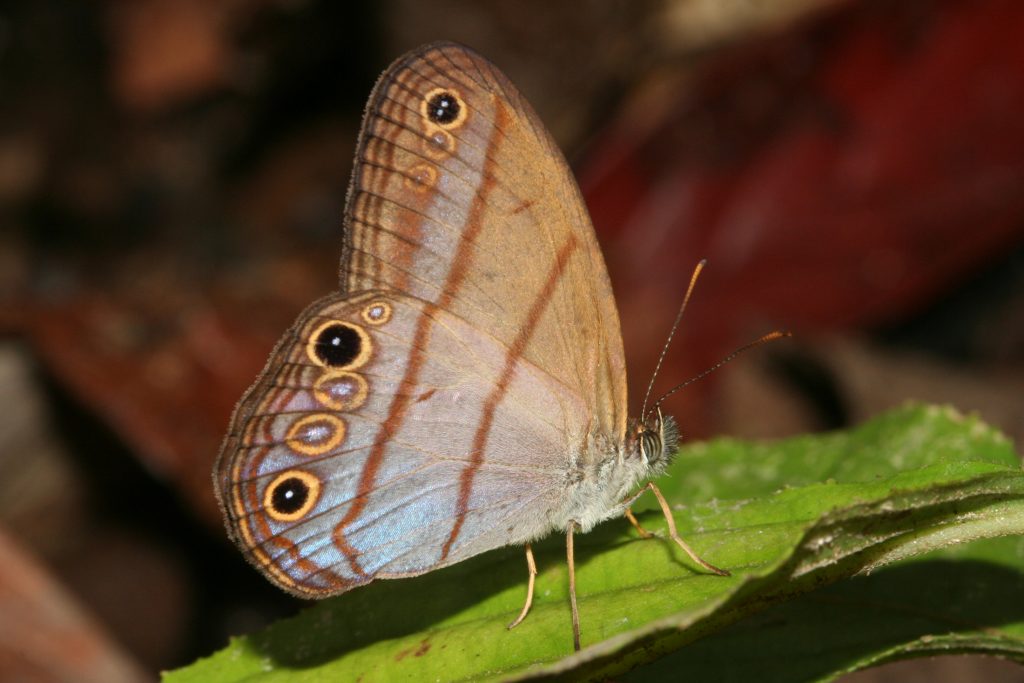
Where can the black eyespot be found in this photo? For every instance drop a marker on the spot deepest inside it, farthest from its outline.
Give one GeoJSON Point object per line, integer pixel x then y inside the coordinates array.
{"type": "Point", "coordinates": [443, 108]}
{"type": "Point", "coordinates": [289, 496]}
{"type": "Point", "coordinates": [337, 345]}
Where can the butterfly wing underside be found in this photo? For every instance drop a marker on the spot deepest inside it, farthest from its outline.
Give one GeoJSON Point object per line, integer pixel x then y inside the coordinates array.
{"type": "Point", "coordinates": [322, 502]}
{"type": "Point", "coordinates": [429, 411]}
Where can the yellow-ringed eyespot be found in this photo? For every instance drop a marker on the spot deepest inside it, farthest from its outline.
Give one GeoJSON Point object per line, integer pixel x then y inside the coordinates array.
{"type": "Point", "coordinates": [316, 434]}
{"type": "Point", "coordinates": [377, 313]}
{"type": "Point", "coordinates": [341, 390]}
{"type": "Point", "coordinates": [291, 495]}
{"type": "Point", "coordinates": [437, 143]}
{"type": "Point", "coordinates": [339, 344]}
{"type": "Point", "coordinates": [420, 177]}
{"type": "Point", "coordinates": [444, 107]}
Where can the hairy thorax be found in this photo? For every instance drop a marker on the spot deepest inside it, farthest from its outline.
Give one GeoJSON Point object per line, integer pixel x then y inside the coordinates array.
{"type": "Point", "coordinates": [604, 473]}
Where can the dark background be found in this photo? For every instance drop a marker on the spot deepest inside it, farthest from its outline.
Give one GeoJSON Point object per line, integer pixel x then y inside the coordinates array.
{"type": "Point", "coordinates": [172, 176]}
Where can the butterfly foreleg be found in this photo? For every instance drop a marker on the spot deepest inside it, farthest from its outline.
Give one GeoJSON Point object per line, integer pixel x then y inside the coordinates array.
{"type": "Point", "coordinates": [672, 532]}
{"type": "Point", "coordinates": [644, 533]}
{"type": "Point", "coordinates": [532, 566]}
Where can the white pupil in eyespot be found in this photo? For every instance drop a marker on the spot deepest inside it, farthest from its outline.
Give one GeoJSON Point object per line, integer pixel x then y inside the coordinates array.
{"type": "Point", "coordinates": [317, 432]}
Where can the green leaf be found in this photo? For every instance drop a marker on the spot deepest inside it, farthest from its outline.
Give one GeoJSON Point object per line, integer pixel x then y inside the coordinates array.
{"type": "Point", "coordinates": [958, 600]}
{"type": "Point", "coordinates": [786, 518]}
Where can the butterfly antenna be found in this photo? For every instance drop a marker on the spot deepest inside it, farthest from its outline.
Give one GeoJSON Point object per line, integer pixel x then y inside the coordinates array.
{"type": "Point", "coordinates": [675, 325]}
{"type": "Point", "coordinates": [771, 336]}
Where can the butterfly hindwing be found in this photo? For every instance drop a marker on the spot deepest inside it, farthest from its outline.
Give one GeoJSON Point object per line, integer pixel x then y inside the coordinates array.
{"type": "Point", "coordinates": [338, 469]}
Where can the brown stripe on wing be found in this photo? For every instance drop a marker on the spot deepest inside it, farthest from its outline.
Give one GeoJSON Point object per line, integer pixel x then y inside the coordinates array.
{"type": "Point", "coordinates": [410, 380]}
{"type": "Point", "coordinates": [514, 353]}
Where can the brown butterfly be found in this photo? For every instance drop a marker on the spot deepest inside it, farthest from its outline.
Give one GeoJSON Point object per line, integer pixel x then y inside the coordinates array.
{"type": "Point", "coordinates": [466, 387]}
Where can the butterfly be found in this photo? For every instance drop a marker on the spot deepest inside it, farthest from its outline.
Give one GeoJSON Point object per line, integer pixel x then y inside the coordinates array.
{"type": "Point", "coordinates": [465, 389]}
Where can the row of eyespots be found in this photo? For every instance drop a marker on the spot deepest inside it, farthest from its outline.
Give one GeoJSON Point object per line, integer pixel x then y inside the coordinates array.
{"type": "Point", "coordinates": [442, 110]}
{"type": "Point", "coordinates": [340, 348]}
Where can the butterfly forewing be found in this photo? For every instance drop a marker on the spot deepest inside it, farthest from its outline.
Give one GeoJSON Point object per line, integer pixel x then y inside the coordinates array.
{"type": "Point", "coordinates": [477, 213]}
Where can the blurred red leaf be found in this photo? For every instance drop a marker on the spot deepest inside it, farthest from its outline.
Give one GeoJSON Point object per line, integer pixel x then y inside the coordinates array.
{"type": "Point", "coordinates": [45, 635]}
{"type": "Point", "coordinates": [838, 175]}
{"type": "Point", "coordinates": [167, 51]}
{"type": "Point", "coordinates": [164, 362]}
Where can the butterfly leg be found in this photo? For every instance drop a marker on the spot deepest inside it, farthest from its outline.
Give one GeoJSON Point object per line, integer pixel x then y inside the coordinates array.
{"type": "Point", "coordinates": [644, 533]}
{"type": "Point", "coordinates": [672, 532]}
{"type": "Point", "coordinates": [572, 586]}
{"type": "Point", "coordinates": [529, 588]}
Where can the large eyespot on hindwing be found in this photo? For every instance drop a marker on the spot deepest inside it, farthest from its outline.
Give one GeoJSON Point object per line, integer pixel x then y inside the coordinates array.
{"type": "Point", "coordinates": [291, 495]}
{"type": "Point", "coordinates": [339, 344]}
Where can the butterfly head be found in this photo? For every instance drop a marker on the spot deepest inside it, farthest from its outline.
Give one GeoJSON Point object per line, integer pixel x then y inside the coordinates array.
{"type": "Point", "coordinates": [657, 438]}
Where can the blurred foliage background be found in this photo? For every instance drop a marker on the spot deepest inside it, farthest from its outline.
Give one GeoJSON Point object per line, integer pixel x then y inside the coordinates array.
{"type": "Point", "coordinates": [172, 176]}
